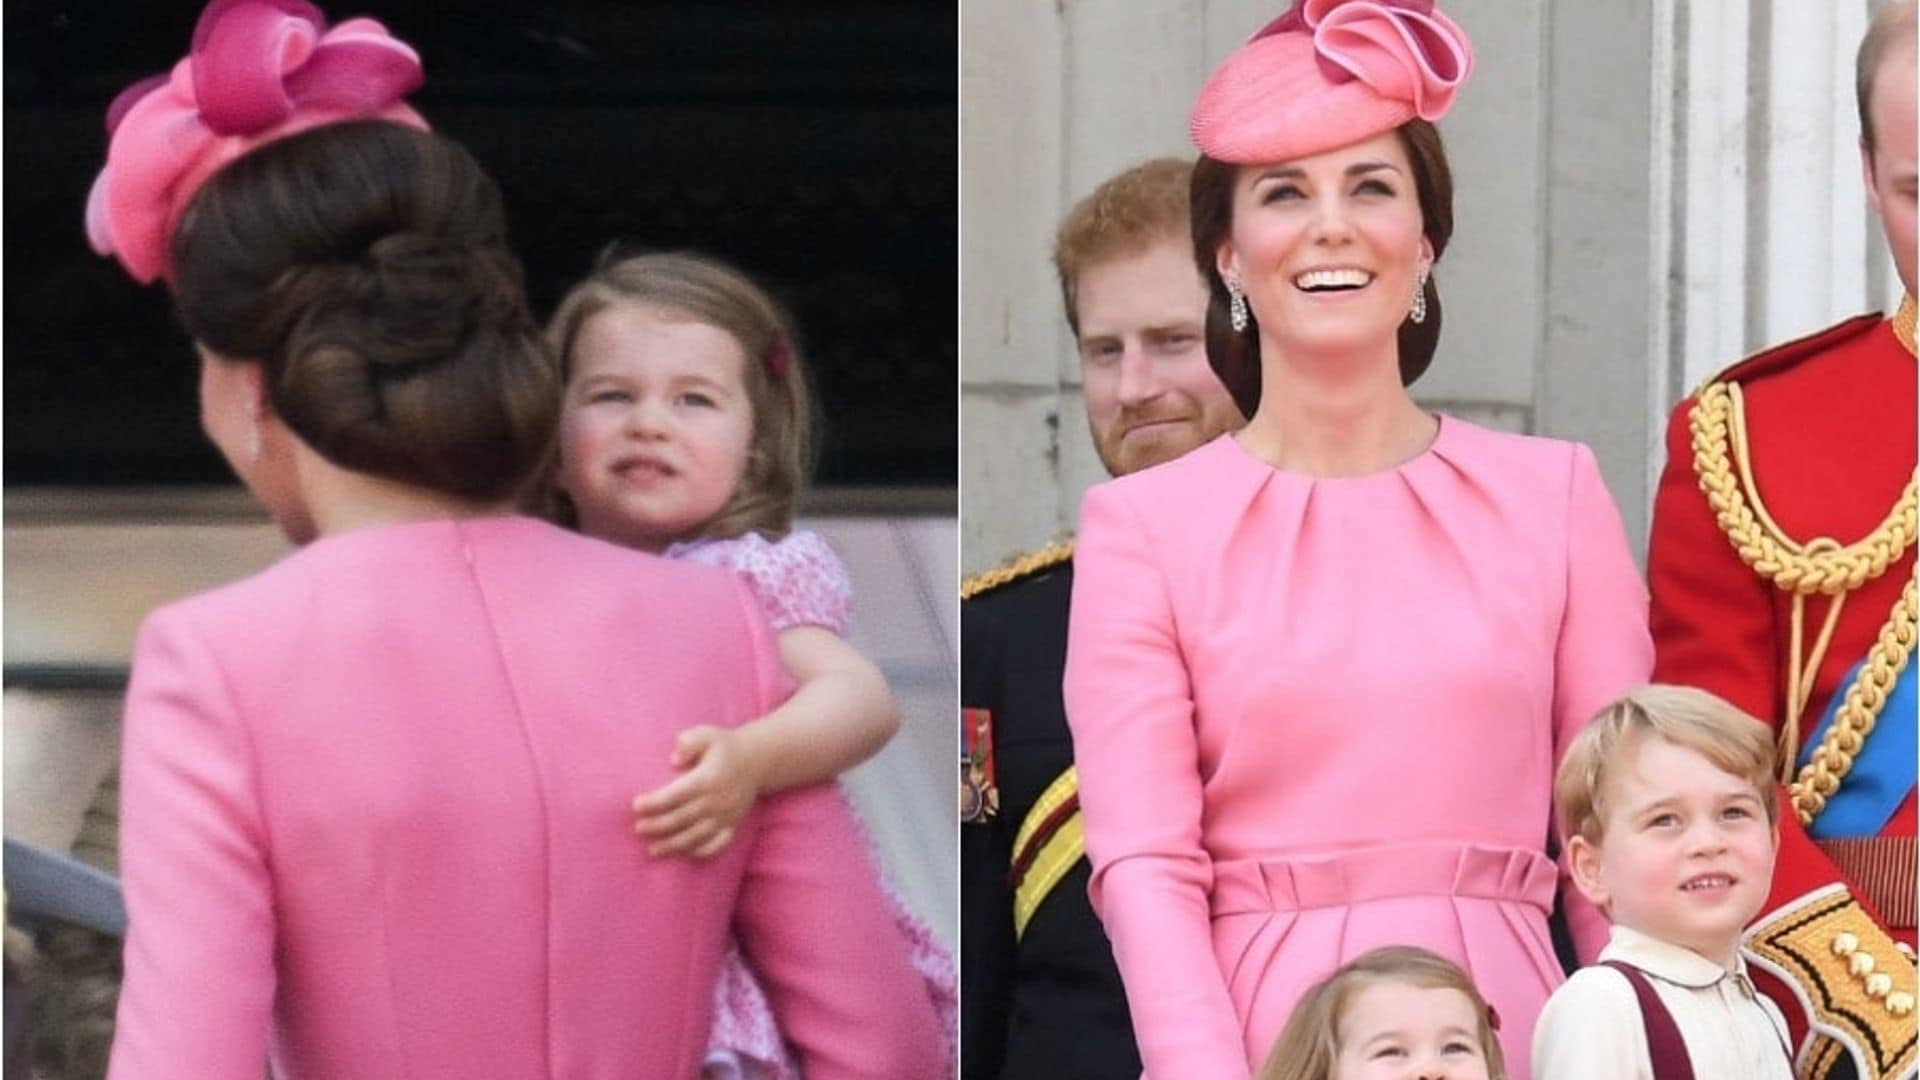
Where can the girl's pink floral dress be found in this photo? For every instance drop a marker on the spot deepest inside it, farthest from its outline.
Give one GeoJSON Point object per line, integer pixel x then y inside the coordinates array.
{"type": "Point", "coordinates": [799, 581]}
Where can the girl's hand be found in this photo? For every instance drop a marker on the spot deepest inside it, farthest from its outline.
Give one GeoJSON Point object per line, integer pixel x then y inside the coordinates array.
{"type": "Point", "coordinates": [694, 814]}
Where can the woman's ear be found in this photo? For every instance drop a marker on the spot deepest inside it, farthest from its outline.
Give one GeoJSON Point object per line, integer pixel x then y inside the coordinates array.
{"type": "Point", "coordinates": [1227, 261]}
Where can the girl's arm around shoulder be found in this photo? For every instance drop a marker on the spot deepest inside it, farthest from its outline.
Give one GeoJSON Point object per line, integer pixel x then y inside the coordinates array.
{"type": "Point", "coordinates": [1591, 1030]}
{"type": "Point", "coordinates": [841, 714]}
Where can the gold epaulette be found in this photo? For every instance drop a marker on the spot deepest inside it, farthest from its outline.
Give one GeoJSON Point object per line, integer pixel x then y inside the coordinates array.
{"type": "Point", "coordinates": [1016, 569]}
{"type": "Point", "coordinates": [1854, 983]}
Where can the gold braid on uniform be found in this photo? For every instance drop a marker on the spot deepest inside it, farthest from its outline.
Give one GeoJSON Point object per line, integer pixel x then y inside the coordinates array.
{"type": "Point", "coordinates": [1859, 711]}
{"type": "Point", "coordinates": [1823, 565]}
{"type": "Point", "coordinates": [988, 580]}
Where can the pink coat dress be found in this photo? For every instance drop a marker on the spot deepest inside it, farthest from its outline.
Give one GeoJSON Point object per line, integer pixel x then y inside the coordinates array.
{"type": "Point", "coordinates": [1316, 716]}
{"type": "Point", "coordinates": [375, 824]}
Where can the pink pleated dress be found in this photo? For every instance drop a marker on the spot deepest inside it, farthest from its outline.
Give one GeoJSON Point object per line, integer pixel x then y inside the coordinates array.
{"type": "Point", "coordinates": [799, 581]}
{"type": "Point", "coordinates": [1315, 716]}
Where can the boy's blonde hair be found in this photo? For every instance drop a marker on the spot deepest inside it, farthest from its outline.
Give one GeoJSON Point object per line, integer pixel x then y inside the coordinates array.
{"type": "Point", "coordinates": [1736, 744]}
{"type": "Point", "coordinates": [1310, 1043]}
{"type": "Point", "coordinates": [780, 452]}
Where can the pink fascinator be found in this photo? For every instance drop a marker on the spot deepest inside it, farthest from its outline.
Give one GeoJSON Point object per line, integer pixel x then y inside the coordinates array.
{"type": "Point", "coordinates": [259, 70]}
{"type": "Point", "coordinates": [1329, 73]}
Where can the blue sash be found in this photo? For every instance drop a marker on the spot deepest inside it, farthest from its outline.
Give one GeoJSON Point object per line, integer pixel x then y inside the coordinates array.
{"type": "Point", "coordinates": [1882, 775]}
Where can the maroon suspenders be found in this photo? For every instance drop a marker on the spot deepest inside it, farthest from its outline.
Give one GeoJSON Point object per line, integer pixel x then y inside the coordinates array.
{"type": "Point", "coordinates": [1665, 1048]}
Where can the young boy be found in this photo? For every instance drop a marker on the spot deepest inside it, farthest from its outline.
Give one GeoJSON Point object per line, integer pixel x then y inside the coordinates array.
{"type": "Point", "coordinates": [1666, 801]}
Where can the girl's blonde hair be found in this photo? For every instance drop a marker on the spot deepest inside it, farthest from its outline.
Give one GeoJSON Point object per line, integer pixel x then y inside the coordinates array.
{"type": "Point", "coordinates": [780, 452]}
{"type": "Point", "coordinates": [1310, 1044]}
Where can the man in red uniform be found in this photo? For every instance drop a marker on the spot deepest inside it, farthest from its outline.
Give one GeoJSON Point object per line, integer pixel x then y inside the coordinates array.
{"type": "Point", "coordinates": [1782, 573]}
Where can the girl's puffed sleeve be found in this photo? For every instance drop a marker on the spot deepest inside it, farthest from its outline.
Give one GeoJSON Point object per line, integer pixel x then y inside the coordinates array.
{"type": "Point", "coordinates": [1604, 648]}
{"type": "Point", "coordinates": [797, 579]}
{"type": "Point", "coordinates": [198, 992]}
{"type": "Point", "coordinates": [1130, 706]}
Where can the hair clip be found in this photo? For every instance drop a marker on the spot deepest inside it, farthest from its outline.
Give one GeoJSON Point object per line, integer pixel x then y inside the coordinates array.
{"type": "Point", "coordinates": [1493, 1018]}
{"type": "Point", "coordinates": [779, 355]}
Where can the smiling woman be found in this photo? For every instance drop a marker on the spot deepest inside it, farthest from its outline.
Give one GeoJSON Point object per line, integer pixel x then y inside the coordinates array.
{"type": "Point", "coordinates": [1319, 672]}
{"type": "Point", "coordinates": [1398, 182]}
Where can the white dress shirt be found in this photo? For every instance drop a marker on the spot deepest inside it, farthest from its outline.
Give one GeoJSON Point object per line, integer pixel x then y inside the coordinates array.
{"type": "Point", "coordinates": [1591, 1028]}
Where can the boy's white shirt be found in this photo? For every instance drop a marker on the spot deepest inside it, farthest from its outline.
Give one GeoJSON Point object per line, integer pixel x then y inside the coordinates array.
{"type": "Point", "coordinates": [1591, 1027]}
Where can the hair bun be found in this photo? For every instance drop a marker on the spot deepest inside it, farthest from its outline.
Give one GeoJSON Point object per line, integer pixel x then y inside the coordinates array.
{"type": "Point", "coordinates": [416, 298]}
{"type": "Point", "coordinates": [364, 266]}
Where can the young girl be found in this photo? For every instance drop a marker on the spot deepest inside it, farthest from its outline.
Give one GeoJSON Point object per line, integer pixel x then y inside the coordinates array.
{"type": "Point", "coordinates": [1392, 1013]}
{"type": "Point", "coordinates": [685, 431]}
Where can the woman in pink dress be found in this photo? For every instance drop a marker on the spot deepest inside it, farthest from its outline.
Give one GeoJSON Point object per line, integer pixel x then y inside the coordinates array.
{"type": "Point", "coordinates": [1320, 672]}
{"type": "Point", "coordinates": [375, 798]}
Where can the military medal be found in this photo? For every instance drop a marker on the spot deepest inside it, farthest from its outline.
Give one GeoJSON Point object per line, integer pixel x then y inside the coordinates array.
{"type": "Point", "coordinates": [979, 796]}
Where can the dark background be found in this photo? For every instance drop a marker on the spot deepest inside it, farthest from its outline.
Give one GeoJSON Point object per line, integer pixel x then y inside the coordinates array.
{"type": "Point", "coordinates": [812, 144]}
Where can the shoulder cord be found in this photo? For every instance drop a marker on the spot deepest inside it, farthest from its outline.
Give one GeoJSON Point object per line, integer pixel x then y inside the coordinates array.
{"type": "Point", "coordinates": [1823, 565]}
{"type": "Point", "coordinates": [1859, 710]}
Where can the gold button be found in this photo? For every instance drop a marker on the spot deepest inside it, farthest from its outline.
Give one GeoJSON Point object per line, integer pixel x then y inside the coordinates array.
{"type": "Point", "coordinates": [1860, 963]}
{"type": "Point", "coordinates": [1844, 943]}
{"type": "Point", "coordinates": [1879, 984]}
{"type": "Point", "coordinates": [1899, 1003]}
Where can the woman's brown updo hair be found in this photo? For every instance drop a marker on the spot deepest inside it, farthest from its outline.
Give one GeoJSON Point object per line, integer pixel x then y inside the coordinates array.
{"type": "Point", "coordinates": [1235, 355]}
{"type": "Point", "coordinates": [365, 266]}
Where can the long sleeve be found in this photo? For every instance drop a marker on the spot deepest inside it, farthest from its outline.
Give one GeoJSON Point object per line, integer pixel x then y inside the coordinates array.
{"type": "Point", "coordinates": [816, 928]}
{"type": "Point", "coordinates": [1130, 706]}
{"type": "Point", "coordinates": [1604, 649]}
{"type": "Point", "coordinates": [199, 986]}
